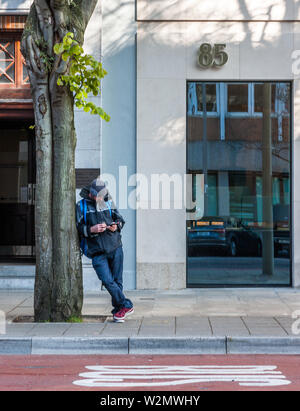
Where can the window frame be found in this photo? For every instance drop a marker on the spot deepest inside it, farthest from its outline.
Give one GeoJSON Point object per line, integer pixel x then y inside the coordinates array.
{"type": "Point", "coordinates": [19, 83]}
{"type": "Point", "coordinates": [197, 113]}
{"type": "Point", "coordinates": [235, 114]}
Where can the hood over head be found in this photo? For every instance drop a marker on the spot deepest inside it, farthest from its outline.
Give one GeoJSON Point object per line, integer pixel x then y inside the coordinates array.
{"type": "Point", "coordinates": [85, 191]}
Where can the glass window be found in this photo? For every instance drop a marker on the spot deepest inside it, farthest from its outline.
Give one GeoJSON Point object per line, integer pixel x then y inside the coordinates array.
{"type": "Point", "coordinates": [276, 190]}
{"type": "Point", "coordinates": [238, 232]}
{"type": "Point", "coordinates": [280, 98]}
{"type": "Point", "coordinates": [14, 166]}
{"type": "Point", "coordinates": [237, 98]}
{"type": "Point", "coordinates": [286, 190]}
{"type": "Point", "coordinates": [212, 194]}
{"type": "Point", "coordinates": [25, 78]}
{"type": "Point", "coordinates": [259, 98]}
{"type": "Point", "coordinates": [211, 97]}
{"type": "Point", "coordinates": [13, 73]}
{"type": "Point", "coordinates": [7, 61]}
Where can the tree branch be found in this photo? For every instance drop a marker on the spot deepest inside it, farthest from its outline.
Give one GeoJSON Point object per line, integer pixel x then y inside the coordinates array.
{"type": "Point", "coordinates": [46, 22]}
{"type": "Point", "coordinates": [87, 8]}
{"type": "Point", "coordinates": [33, 53]}
{"type": "Point", "coordinates": [58, 7]}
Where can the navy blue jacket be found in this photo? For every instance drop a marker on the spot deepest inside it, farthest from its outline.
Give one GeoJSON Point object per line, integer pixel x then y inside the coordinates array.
{"type": "Point", "coordinates": [100, 243]}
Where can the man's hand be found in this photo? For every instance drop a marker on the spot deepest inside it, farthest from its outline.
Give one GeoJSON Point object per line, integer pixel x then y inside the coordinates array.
{"type": "Point", "coordinates": [112, 227]}
{"type": "Point", "coordinates": [99, 228]}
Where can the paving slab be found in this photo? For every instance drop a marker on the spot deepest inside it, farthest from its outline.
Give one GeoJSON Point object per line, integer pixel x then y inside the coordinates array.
{"type": "Point", "coordinates": [120, 332]}
{"type": "Point", "coordinates": [192, 326]}
{"type": "Point", "coordinates": [126, 329]}
{"type": "Point", "coordinates": [226, 306]}
{"type": "Point", "coordinates": [84, 330]}
{"type": "Point", "coordinates": [290, 325]}
{"type": "Point", "coordinates": [159, 321]}
{"type": "Point", "coordinates": [264, 326]}
{"type": "Point", "coordinates": [157, 326]}
{"type": "Point", "coordinates": [6, 307]}
{"type": "Point", "coordinates": [17, 295]}
{"type": "Point", "coordinates": [156, 332]}
{"type": "Point", "coordinates": [233, 326]}
{"type": "Point", "coordinates": [49, 329]}
{"type": "Point", "coordinates": [19, 311]}
{"type": "Point", "coordinates": [18, 329]}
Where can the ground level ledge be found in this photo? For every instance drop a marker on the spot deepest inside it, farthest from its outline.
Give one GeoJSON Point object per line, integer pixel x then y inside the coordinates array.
{"type": "Point", "coordinates": [149, 345]}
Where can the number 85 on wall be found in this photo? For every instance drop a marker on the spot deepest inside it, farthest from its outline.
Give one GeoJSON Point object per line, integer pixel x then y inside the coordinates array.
{"type": "Point", "coordinates": [212, 56]}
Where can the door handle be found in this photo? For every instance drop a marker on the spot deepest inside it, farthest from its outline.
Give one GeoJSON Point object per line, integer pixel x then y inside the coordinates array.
{"type": "Point", "coordinates": [29, 197]}
{"type": "Point", "coordinates": [33, 193]}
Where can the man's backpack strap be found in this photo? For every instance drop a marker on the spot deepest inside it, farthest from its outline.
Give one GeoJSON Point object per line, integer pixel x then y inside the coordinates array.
{"type": "Point", "coordinates": [108, 203]}
{"type": "Point", "coordinates": [83, 243]}
{"type": "Point", "coordinates": [83, 208]}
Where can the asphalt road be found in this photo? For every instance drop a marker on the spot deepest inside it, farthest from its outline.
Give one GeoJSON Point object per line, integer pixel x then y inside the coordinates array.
{"type": "Point", "coordinates": [150, 373]}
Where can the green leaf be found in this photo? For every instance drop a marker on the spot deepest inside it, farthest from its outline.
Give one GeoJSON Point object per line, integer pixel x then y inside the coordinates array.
{"type": "Point", "coordinates": [65, 56]}
{"type": "Point", "coordinates": [84, 76]}
{"type": "Point", "coordinates": [58, 48]}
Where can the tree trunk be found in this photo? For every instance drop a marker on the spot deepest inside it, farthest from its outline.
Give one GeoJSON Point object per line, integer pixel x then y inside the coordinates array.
{"type": "Point", "coordinates": [58, 291]}
{"type": "Point", "coordinates": [43, 218]}
{"type": "Point", "coordinates": [67, 293]}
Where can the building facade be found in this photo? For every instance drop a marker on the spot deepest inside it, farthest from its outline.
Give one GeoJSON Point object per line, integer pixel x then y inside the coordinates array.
{"type": "Point", "coordinates": [201, 150]}
{"type": "Point", "coordinates": [217, 99]}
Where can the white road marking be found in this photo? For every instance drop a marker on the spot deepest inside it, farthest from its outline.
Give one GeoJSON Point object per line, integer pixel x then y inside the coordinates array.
{"type": "Point", "coordinates": [144, 376]}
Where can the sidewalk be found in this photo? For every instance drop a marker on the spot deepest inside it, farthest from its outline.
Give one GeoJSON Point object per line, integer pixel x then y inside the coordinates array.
{"type": "Point", "coordinates": [194, 321]}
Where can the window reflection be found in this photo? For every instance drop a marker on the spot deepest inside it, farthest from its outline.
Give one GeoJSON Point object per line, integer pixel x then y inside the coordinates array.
{"type": "Point", "coordinates": [13, 167]}
{"type": "Point", "coordinates": [238, 98]}
{"type": "Point", "coordinates": [211, 97]}
{"type": "Point", "coordinates": [239, 156]}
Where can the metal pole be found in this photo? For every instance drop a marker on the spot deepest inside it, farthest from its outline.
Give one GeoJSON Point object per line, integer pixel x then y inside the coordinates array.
{"type": "Point", "coordinates": [204, 148]}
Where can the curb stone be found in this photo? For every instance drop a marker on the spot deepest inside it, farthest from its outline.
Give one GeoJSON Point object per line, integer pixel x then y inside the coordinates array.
{"type": "Point", "coordinates": [15, 345]}
{"type": "Point", "coordinates": [79, 345]}
{"type": "Point", "coordinates": [151, 345]}
{"type": "Point", "coordinates": [263, 345]}
{"type": "Point", "coordinates": [177, 345]}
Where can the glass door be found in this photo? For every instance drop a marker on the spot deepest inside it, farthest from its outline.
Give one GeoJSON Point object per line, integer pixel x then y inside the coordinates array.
{"type": "Point", "coordinates": [17, 192]}
{"type": "Point", "coordinates": [238, 153]}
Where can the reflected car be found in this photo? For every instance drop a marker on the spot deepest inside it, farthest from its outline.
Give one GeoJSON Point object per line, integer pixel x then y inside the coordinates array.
{"type": "Point", "coordinates": [281, 239]}
{"type": "Point", "coordinates": [227, 234]}
{"type": "Point", "coordinates": [281, 215]}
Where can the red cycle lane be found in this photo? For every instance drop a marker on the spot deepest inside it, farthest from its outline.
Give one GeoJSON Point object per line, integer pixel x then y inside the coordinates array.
{"type": "Point", "coordinates": [150, 373]}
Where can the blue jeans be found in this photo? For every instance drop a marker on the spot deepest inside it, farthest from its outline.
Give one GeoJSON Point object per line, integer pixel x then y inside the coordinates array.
{"type": "Point", "coordinates": [109, 269]}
